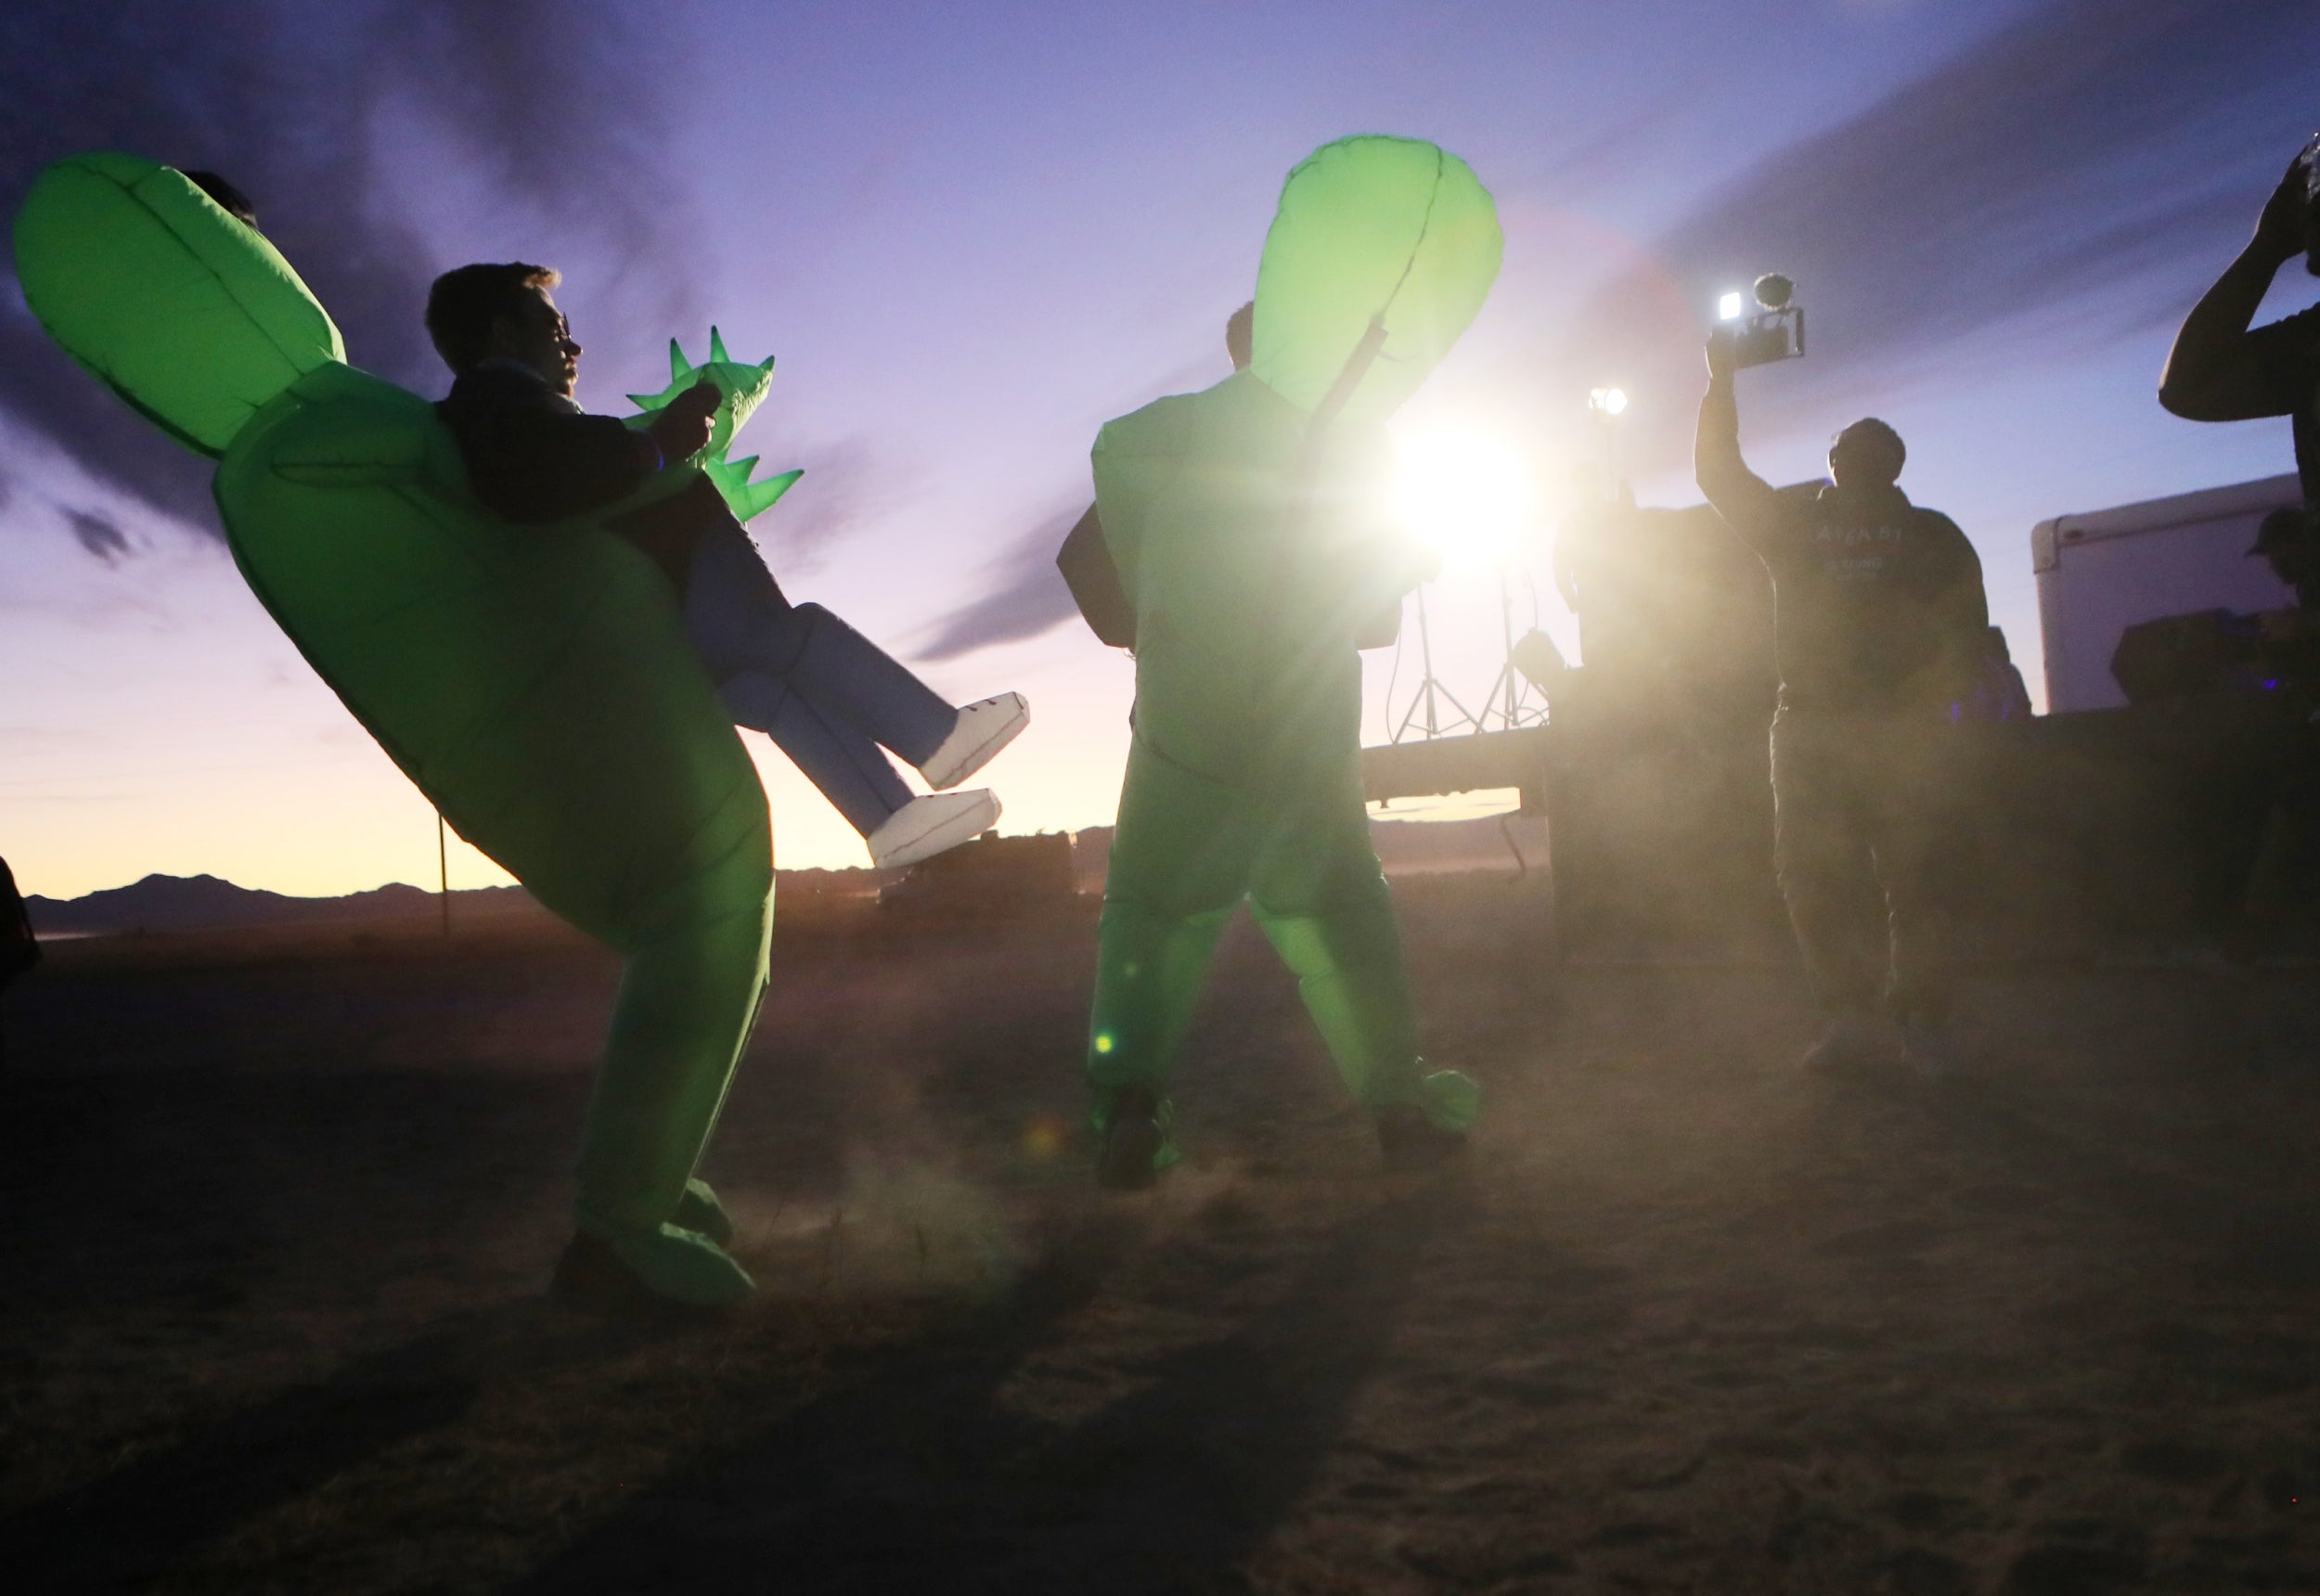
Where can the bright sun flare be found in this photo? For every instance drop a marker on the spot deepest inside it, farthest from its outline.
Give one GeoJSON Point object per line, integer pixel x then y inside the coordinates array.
{"type": "Point", "coordinates": [1469, 495]}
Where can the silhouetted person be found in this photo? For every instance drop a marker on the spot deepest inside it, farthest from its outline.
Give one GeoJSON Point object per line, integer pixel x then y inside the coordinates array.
{"type": "Point", "coordinates": [1998, 690]}
{"type": "Point", "coordinates": [1879, 626]}
{"type": "Point", "coordinates": [2282, 873]}
{"type": "Point", "coordinates": [2288, 542]}
{"type": "Point", "coordinates": [2220, 369]}
{"type": "Point", "coordinates": [19, 950]}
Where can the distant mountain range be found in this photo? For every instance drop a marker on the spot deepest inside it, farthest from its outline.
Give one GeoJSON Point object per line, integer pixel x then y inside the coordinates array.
{"type": "Point", "coordinates": [205, 903]}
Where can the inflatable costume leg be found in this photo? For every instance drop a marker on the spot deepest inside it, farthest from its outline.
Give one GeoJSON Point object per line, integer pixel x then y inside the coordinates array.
{"type": "Point", "coordinates": [1321, 898]}
{"type": "Point", "coordinates": [1179, 867]}
{"type": "Point", "coordinates": [687, 1002]}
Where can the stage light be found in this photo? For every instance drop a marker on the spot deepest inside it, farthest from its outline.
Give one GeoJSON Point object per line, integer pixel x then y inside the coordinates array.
{"type": "Point", "coordinates": [1608, 401]}
{"type": "Point", "coordinates": [1469, 495]}
{"type": "Point", "coordinates": [1729, 307]}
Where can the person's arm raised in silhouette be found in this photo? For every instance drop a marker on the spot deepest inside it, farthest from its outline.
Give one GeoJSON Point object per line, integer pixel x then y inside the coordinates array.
{"type": "Point", "coordinates": [1747, 501]}
{"type": "Point", "coordinates": [2219, 369]}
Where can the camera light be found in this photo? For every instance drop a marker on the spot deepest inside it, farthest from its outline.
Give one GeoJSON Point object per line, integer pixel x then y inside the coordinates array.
{"type": "Point", "coordinates": [1728, 308]}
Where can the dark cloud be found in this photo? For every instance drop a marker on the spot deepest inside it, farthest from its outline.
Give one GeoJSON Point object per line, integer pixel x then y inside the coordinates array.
{"type": "Point", "coordinates": [846, 487]}
{"type": "Point", "coordinates": [2081, 173]}
{"type": "Point", "coordinates": [97, 535]}
{"type": "Point", "coordinates": [555, 102]}
{"type": "Point", "coordinates": [1024, 595]}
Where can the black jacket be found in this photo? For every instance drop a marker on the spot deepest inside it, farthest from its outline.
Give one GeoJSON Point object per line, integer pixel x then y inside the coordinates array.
{"type": "Point", "coordinates": [531, 455]}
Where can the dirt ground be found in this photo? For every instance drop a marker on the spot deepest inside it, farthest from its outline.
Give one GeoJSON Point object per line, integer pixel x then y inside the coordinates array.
{"type": "Point", "coordinates": [277, 1211]}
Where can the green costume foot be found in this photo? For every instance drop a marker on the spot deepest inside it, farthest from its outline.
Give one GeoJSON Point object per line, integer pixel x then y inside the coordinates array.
{"type": "Point", "coordinates": [675, 1266]}
{"type": "Point", "coordinates": [1449, 1100]}
{"type": "Point", "coordinates": [1136, 1144]}
{"type": "Point", "coordinates": [699, 1209]}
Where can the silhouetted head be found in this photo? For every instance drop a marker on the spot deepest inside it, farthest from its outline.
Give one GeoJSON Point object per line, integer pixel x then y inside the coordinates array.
{"type": "Point", "coordinates": [230, 200]}
{"type": "Point", "coordinates": [2288, 545]}
{"type": "Point", "coordinates": [1993, 646]}
{"type": "Point", "coordinates": [1867, 454]}
{"type": "Point", "coordinates": [1240, 328]}
{"type": "Point", "coordinates": [504, 311]}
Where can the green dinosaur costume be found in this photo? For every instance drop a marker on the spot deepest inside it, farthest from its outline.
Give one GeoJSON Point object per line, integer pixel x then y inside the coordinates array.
{"type": "Point", "coordinates": [534, 682]}
{"type": "Point", "coordinates": [1246, 522]}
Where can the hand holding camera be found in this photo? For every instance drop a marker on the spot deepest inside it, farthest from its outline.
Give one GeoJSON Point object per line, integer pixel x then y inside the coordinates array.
{"type": "Point", "coordinates": [2291, 223]}
{"type": "Point", "coordinates": [1774, 332]}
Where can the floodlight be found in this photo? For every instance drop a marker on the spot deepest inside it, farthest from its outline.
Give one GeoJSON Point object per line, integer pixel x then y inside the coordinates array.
{"type": "Point", "coordinates": [1729, 307]}
{"type": "Point", "coordinates": [1468, 495]}
{"type": "Point", "coordinates": [1606, 401]}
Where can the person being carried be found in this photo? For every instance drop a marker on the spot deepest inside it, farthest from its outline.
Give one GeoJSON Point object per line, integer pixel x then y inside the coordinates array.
{"type": "Point", "coordinates": [828, 696]}
{"type": "Point", "coordinates": [1880, 624]}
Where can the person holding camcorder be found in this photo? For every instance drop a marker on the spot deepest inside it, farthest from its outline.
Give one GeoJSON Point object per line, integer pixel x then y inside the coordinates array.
{"type": "Point", "coordinates": [2220, 369]}
{"type": "Point", "coordinates": [1879, 627]}
{"type": "Point", "coordinates": [2224, 369]}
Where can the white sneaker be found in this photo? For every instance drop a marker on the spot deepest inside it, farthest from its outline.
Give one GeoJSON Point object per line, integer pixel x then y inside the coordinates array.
{"type": "Point", "coordinates": [984, 727]}
{"type": "Point", "coordinates": [1848, 1043]}
{"type": "Point", "coordinates": [931, 824]}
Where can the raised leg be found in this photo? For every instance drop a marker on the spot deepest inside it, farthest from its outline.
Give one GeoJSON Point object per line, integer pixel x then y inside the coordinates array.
{"type": "Point", "coordinates": [740, 621]}
{"type": "Point", "coordinates": [859, 782]}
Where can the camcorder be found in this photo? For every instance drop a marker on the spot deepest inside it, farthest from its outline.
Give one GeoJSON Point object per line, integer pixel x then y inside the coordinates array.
{"type": "Point", "coordinates": [2308, 163]}
{"type": "Point", "coordinates": [1774, 332]}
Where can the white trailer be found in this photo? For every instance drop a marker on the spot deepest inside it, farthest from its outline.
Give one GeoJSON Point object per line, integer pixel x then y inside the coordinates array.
{"type": "Point", "coordinates": [2100, 573]}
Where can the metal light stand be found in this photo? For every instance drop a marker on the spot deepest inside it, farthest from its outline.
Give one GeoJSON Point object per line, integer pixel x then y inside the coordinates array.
{"type": "Point", "coordinates": [1429, 690]}
{"type": "Point", "coordinates": [1509, 700]}
{"type": "Point", "coordinates": [1516, 710]}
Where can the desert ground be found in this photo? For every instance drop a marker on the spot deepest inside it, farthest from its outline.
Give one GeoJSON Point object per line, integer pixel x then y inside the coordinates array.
{"type": "Point", "coordinates": [279, 1210]}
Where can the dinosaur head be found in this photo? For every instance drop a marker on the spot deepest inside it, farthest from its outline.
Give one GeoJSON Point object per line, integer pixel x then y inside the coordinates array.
{"type": "Point", "coordinates": [742, 387]}
{"type": "Point", "coordinates": [1380, 254]}
{"type": "Point", "coordinates": [190, 316]}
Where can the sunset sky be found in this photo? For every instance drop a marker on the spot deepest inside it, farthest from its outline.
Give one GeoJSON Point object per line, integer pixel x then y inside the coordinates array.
{"type": "Point", "coordinates": [972, 234]}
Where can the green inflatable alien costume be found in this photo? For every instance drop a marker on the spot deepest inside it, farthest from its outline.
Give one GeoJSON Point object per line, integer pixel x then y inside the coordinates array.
{"type": "Point", "coordinates": [1246, 524]}
{"type": "Point", "coordinates": [534, 683]}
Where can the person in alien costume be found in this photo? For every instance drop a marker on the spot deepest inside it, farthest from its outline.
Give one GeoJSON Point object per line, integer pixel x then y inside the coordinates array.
{"type": "Point", "coordinates": [539, 689]}
{"type": "Point", "coordinates": [1246, 525]}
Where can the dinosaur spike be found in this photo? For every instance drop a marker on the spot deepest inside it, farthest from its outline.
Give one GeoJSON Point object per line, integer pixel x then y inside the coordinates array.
{"type": "Point", "coordinates": [757, 497]}
{"type": "Point", "coordinates": [767, 365]}
{"type": "Point", "coordinates": [742, 468]}
{"type": "Point", "coordinates": [645, 401]}
{"type": "Point", "coordinates": [716, 348]}
{"type": "Point", "coordinates": [678, 369]}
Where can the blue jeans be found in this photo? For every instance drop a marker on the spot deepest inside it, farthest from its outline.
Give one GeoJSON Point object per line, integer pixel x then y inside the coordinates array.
{"type": "Point", "coordinates": [828, 696]}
